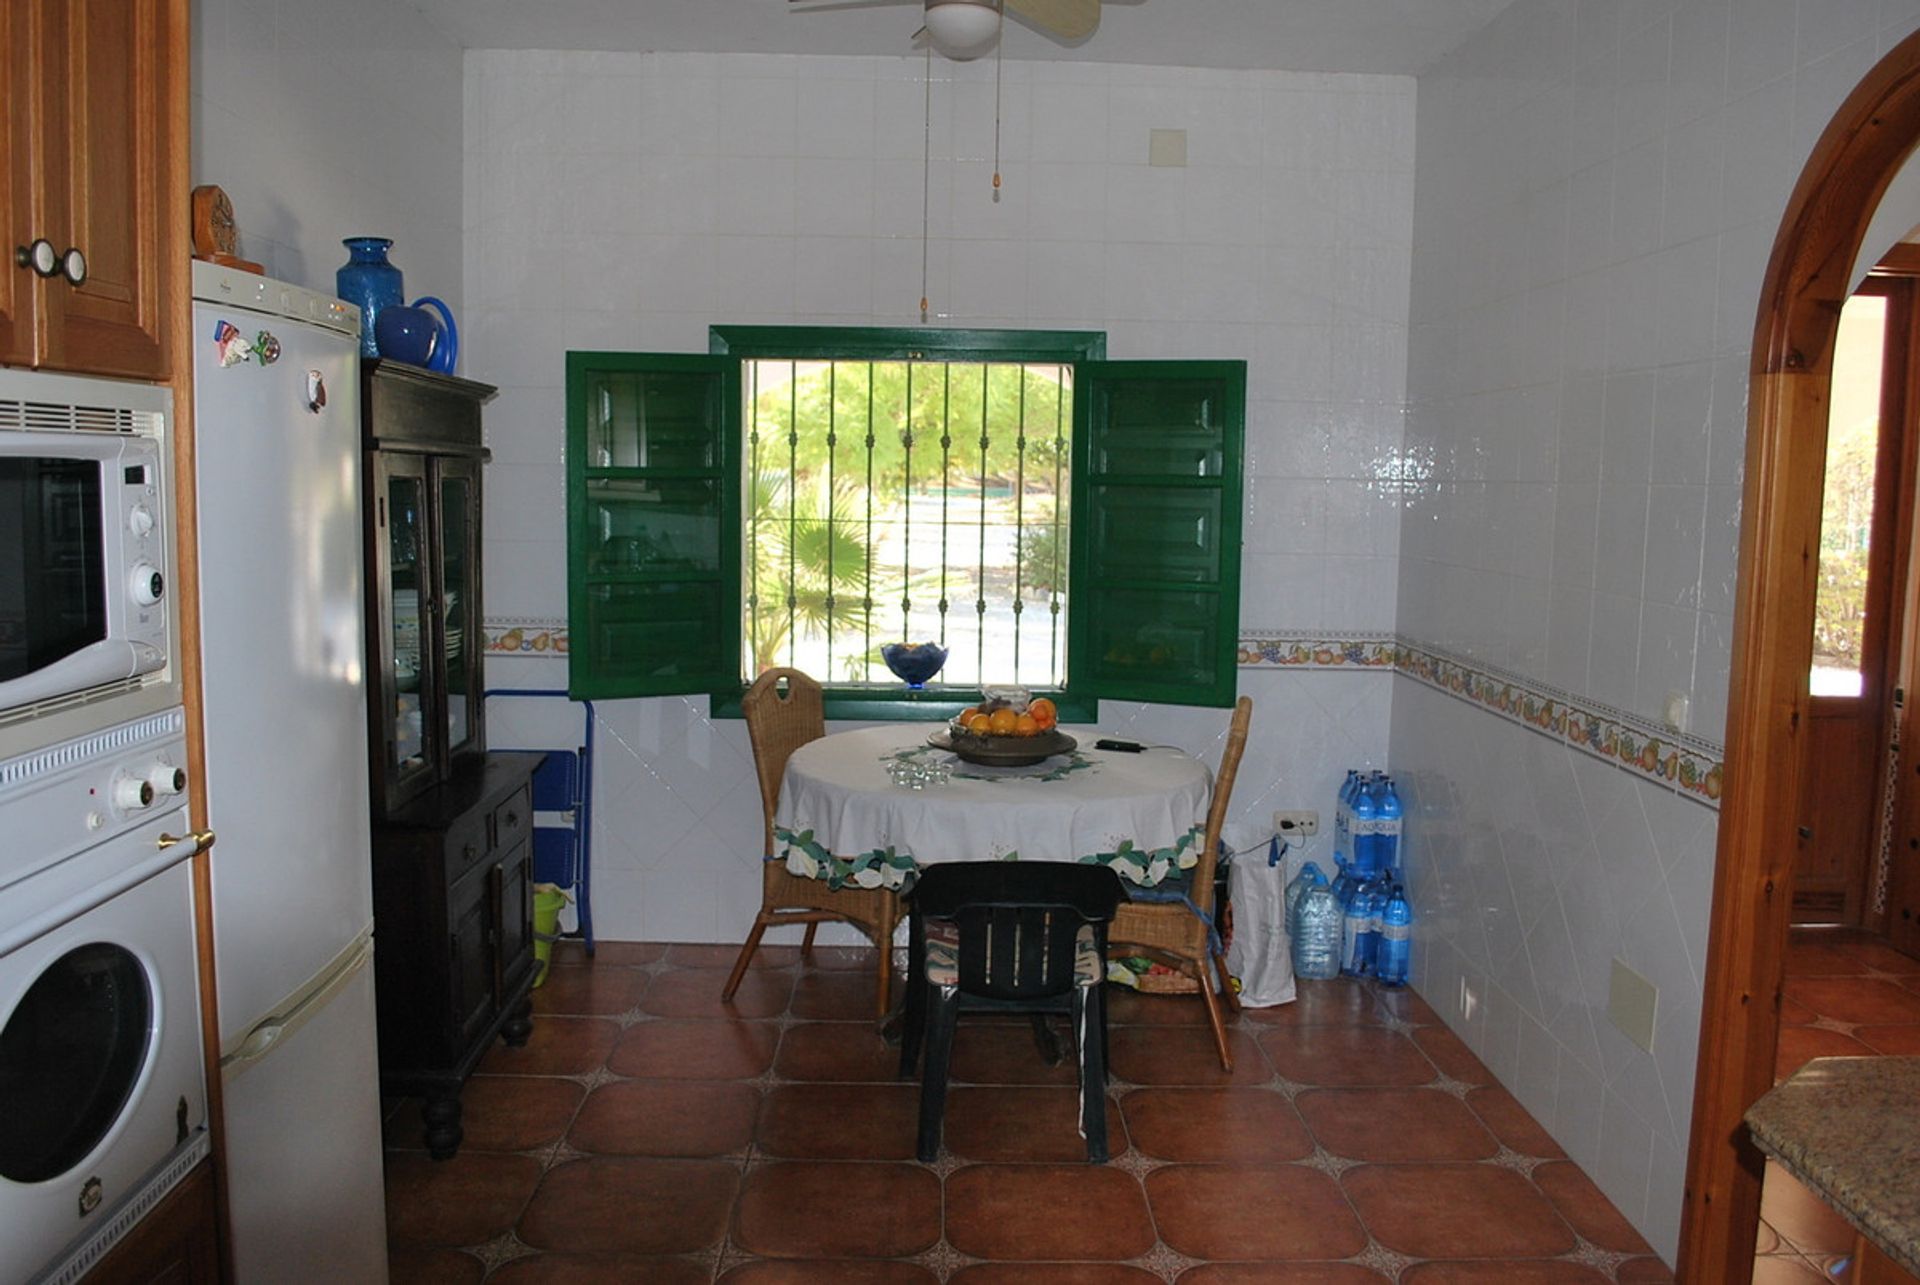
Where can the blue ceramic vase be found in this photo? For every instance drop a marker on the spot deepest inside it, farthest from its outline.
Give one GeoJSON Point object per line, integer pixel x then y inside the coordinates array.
{"type": "Point", "coordinates": [367, 279]}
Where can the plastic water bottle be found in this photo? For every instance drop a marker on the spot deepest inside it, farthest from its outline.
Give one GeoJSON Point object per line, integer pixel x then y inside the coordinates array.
{"type": "Point", "coordinates": [1356, 928]}
{"type": "Point", "coordinates": [1345, 883]}
{"type": "Point", "coordinates": [1364, 861]}
{"type": "Point", "coordinates": [1316, 943]}
{"type": "Point", "coordinates": [1387, 827]}
{"type": "Point", "coordinates": [1309, 876]}
{"type": "Point", "coordinates": [1377, 898]}
{"type": "Point", "coordinates": [1343, 819]}
{"type": "Point", "coordinates": [1396, 938]}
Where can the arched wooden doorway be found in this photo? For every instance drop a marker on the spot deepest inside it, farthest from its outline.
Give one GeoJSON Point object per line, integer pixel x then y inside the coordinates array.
{"type": "Point", "coordinates": [1806, 282]}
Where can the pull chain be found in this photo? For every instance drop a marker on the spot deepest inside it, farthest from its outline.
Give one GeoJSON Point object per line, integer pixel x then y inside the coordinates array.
{"type": "Point", "coordinates": [926, 184]}
{"type": "Point", "coordinates": [999, 66]}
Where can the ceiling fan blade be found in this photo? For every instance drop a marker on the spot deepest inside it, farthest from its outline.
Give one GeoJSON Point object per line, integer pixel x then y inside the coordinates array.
{"type": "Point", "coordinates": [1067, 19]}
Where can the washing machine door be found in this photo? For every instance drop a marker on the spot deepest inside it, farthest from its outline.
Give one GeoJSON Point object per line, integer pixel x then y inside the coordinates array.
{"type": "Point", "coordinates": [70, 1055]}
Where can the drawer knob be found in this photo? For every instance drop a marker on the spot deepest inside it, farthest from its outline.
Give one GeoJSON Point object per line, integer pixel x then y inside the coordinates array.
{"type": "Point", "coordinates": [40, 256]}
{"type": "Point", "coordinates": [469, 852]}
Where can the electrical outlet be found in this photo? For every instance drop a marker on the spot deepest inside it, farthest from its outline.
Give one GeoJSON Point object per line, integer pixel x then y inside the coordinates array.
{"type": "Point", "coordinates": [1296, 825]}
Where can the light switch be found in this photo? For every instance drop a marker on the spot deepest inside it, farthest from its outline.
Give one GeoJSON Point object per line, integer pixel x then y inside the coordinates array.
{"type": "Point", "coordinates": [1632, 1003]}
{"type": "Point", "coordinates": [1167, 147]}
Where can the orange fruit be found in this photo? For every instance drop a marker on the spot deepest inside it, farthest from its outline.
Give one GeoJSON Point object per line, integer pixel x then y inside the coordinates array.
{"type": "Point", "coordinates": [1044, 713]}
{"type": "Point", "coordinates": [1026, 725]}
{"type": "Point", "coordinates": [1002, 722]}
{"type": "Point", "coordinates": [966, 715]}
{"type": "Point", "coordinates": [979, 724]}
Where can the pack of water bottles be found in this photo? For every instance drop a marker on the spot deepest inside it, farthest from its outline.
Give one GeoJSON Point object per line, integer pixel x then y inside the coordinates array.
{"type": "Point", "coordinates": [1360, 924]}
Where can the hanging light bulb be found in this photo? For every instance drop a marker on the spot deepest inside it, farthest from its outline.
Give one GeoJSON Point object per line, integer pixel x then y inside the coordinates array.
{"type": "Point", "coordinates": [962, 29]}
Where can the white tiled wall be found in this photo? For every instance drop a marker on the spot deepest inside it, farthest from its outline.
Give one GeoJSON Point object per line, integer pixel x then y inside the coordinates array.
{"type": "Point", "coordinates": [630, 201]}
{"type": "Point", "coordinates": [1598, 189]}
{"type": "Point", "coordinates": [328, 119]}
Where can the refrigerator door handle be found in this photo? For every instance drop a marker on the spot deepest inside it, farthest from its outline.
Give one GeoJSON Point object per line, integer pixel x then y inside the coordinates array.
{"type": "Point", "coordinates": [270, 1030]}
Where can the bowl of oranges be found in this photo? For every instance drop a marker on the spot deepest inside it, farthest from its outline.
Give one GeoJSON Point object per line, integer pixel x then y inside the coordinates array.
{"type": "Point", "coordinates": [1005, 731]}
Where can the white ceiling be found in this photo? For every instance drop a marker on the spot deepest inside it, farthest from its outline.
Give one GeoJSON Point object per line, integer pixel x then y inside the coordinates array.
{"type": "Point", "coordinates": [1380, 36]}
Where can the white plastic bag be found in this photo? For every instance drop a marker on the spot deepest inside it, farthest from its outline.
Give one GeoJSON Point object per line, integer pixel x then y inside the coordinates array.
{"type": "Point", "coordinates": [1260, 957]}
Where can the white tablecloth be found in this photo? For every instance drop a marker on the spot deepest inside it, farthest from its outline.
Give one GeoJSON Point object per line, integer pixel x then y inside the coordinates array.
{"type": "Point", "coordinates": [842, 818]}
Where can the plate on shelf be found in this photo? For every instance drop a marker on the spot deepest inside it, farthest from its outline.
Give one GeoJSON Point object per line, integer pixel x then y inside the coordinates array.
{"type": "Point", "coordinates": [1003, 751]}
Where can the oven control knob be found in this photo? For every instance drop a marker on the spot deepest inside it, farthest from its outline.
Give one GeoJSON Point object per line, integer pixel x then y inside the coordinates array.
{"type": "Point", "coordinates": [131, 793]}
{"type": "Point", "coordinates": [165, 778]}
{"type": "Point", "coordinates": [147, 584]}
{"type": "Point", "coordinates": [95, 820]}
{"type": "Point", "coordinates": [140, 520]}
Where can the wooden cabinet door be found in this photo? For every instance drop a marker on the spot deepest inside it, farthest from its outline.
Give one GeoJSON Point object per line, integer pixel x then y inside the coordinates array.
{"type": "Point", "coordinates": [19, 70]}
{"type": "Point", "coordinates": [106, 96]}
{"type": "Point", "coordinates": [471, 1003]}
{"type": "Point", "coordinates": [516, 915]}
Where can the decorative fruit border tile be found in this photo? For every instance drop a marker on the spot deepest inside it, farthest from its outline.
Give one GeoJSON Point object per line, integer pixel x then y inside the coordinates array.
{"type": "Point", "coordinates": [1689, 766]}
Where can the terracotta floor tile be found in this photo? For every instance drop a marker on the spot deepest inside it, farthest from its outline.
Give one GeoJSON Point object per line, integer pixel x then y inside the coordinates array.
{"type": "Point", "coordinates": [417, 1266]}
{"type": "Point", "coordinates": [1895, 1041]}
{"type": "Point", "coordinates": [844, 1051]}
{"type": "Point", "coordinates": [1865, 1001]}
{"type": "Point", "coordinates": [879, 1210]}
{"type": "Point", "coordinates": [695, 992]}
{"type": "Point", "coordinates": [992, 1052]}
{"type": "Point", "coordinates": [615, 1204]}
{"type": "Point", "coordinates": [694, 1050]}
{"type": "Point", "coordinates": [1794, 1013]}
{"type": "Point", "coordinates": [467, 1200]}
{"type": "Point", "coordinates": [1340, 1001]}
{"type": "Point", "coordinates": [1281, 1274]}
{"type": "Point", "coordinates": [1456, 1211]}
{"type": "Point", "coordinates": [499, 1113]}
{"type": "Point", "coordinates": [588, 991]}
{"type": "Point", "coordinates": [1767, 1241]}
{"type": "Point", "coordinates": [1582, 1203]}
{"type": "Point", "coordinates": [1395, 1125]}
{"type": "Point", "coordinates": [605, 953]}
{"type": "Point", "coordinates": [1018, 1212]}
{"type": "Point", "coordinates": [840, 1121]}
{"type": "Point", "coordinates": [1126, 1006]}
{"type": "Point", "coordinates": [1814, 958]}
{"type": "Point", "coordinates": [1785, 1271]}
{"type": "Point", "coordinates": [1881, 957]}
{"type": "Point", "coordinates": [851, 959]}
{"type": "Point", "coordinates": [1805, 1221]}
{"type": "Point", "coordinates": [1052, 1274]}
{"type": "Point", "coordinates": [1184, 1055]}
{"type": "Point", "coordinates": [558, 1046]}
{"type": "Point", "coordinates": [835, 997]}
{"type": "Point", "coordinates": [1450, 1053]}
{"type": "Point", "coordinates": [1512, 1123]}
{"type": "Point", "coordinates": [839, 1271]}
{"type": "Point", "coordinates": [723, 955]}
{"type": "Point", "coordinates": [1403, 1004]}
{"type": "Point", "coordinates": [1801, 1044]}
{"type": "Point", "coordinates": [1346, 1056]}
{"type": "Point", "coordinates": [1301, 1212]}
{"type": "Point", "coordinates": [1250, 1125]}
{"type": "Point", "coordinates": [1009, 1123]}
{"type": "Point", "coordinates": [1487, 1273]}
{"type": "Point", "coordinates": [601, 1269]}
{"type": "Point", "coordinates": [1643, 1271]}
{"type": "Point", "coordinates": [686, 1118]}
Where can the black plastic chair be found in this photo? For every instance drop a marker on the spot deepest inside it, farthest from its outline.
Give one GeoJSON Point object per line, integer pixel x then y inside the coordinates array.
{"type": "Point", "coordinates": [1004, 936]}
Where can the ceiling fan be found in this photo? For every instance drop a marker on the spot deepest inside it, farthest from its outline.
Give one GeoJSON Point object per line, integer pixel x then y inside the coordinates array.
{"type": "Point", "coordinates": [965, 29]}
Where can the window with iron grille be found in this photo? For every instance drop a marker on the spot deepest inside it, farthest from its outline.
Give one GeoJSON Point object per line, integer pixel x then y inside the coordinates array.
{"type": "Point", "coordinates": [803, 496]}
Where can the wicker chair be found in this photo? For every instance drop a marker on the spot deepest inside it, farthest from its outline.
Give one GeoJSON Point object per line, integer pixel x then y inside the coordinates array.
{"type": "Point", "coordinates": [778, 723]}
{"type": "Point", "coordinates": [1169, 931]}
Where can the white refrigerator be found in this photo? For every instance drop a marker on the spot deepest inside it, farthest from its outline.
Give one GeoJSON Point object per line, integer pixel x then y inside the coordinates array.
{"type": "Point", "coordinates": [277, 432]}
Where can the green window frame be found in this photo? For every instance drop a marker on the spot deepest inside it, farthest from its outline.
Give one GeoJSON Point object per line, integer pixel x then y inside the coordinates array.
{"type": "Point", "coordinates": [1154, 546]}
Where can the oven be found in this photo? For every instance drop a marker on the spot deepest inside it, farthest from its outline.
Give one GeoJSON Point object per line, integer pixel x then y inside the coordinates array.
{"type": "Point", "coordinates": [100, 1036]}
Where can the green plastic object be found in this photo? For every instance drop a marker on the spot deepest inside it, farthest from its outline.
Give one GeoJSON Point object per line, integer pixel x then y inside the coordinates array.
{"type": "Point", "coordinates": [548, 901]}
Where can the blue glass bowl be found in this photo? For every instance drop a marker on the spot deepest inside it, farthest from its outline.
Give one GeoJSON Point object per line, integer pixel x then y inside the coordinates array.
{"type": "Point", "coordinates": [914, 663]}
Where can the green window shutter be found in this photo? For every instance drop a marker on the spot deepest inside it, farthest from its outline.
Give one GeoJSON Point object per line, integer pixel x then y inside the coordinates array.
{"type": "Point", "coordinates": [653, 524]}
{"type": "Point", "coordinates": [1155, 604]}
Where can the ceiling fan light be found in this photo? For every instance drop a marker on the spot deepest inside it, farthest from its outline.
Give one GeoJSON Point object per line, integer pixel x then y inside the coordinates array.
{"type": "Point", "coordinates": [962, 29]}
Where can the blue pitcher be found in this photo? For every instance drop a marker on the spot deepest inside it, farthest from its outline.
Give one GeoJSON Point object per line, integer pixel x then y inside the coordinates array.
{"type": "Point", "coordinates": [412, 334]}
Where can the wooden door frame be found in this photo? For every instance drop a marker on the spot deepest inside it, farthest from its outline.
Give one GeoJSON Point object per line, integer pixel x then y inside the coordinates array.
{"type": "Point", "coordinates": [1839, 189]}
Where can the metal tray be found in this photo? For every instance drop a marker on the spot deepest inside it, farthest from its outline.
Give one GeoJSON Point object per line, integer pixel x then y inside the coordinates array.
{"type": "Point", "coordinates": [1003, 751]}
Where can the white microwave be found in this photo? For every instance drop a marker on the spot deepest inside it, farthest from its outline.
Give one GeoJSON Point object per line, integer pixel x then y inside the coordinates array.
{"type": "Point", "coordinates": [87, 618]}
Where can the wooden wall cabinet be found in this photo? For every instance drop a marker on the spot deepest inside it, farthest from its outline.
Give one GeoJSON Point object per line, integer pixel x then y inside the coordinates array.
{"type": "Point", "coordinates": [174, 1244]}
{"type": "Point", "coordinates": [452, 824]}
{"type": "Point", "coordinates": [90, 167]}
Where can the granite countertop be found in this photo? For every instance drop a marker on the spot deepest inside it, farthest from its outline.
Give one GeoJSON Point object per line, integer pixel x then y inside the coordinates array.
{"type": "Point", "coordinates": [1849, 1128]}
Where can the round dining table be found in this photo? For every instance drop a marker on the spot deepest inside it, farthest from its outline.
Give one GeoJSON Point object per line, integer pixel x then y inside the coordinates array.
{"type": "Point", "coordinates": [869, 808]}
